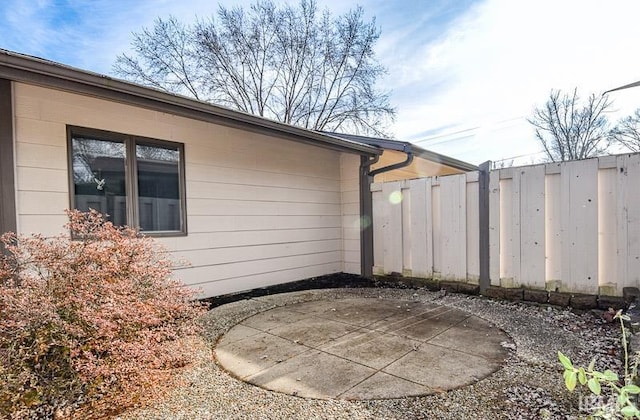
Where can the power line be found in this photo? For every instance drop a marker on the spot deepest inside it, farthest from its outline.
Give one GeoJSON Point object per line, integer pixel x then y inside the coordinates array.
{"type": "Point", "coordinates": [519, 156]}
{"type": "Point", "coordinates": [466, 130]}
{"type": "Point", "coordinates": [447, 134]}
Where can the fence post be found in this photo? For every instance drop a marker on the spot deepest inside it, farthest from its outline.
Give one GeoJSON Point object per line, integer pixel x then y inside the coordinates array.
{"type": "Point", "coordinates": [366, 218]}
{"type": "Point", "coordinates": [483, 223]}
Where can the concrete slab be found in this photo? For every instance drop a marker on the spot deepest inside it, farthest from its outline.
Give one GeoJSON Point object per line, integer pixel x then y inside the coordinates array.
{"type": "Point", "coordinates": [476, 336]}
{"type": "Point", "coordinates": [424, 330]}
{"type": "Point", "coordinates": [273, 318]}
{"type": "Point", "coordinates": [255, 353]}
{"type": "Point", "coordinates": [239, 332]}
{"type": "Point", "coordinates": [383, 386]}
{"type": "Point", "coordinates": [371, 348]}
{"type": "Point", "coordinates": [362, 348]}
{"type": "Point", "coordinates": [397, 321]}
{"type": "Point", "coordinates": [355, 312]}
{"type": "Point", "coordinates": [440, 368]}
{"type": "Point", "coordinates": [319, 307]}
{"type": "Point", "coordinates": [313, 332]}
{"type": "Point", "coordinates": [313, 374]}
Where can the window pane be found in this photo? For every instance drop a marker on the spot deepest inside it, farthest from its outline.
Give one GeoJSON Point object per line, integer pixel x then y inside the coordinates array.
{"type": "Point", "coordinates": [158, 188]}
{"type": "Point", "coordinates": [99, 177]}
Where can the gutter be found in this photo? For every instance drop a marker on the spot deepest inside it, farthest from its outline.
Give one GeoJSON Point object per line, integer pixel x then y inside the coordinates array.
{"type": "Point", "coordinates": [406, 147]}
{"type": "Point", "coordinates": [398, 165]}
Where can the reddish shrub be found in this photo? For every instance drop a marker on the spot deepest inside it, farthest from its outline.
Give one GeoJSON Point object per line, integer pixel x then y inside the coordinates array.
{"type": "Point", "coordinates": [88, 320]}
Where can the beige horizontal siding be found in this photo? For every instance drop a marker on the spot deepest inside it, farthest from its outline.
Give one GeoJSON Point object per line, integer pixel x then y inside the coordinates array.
{"type": "Point", "coordinates": [31, 202]}
{"type": "Point", "coordinates": [216, 207]}
{"type": "Point", "coordinates": [228, 255]}
{"type": "Point", "coordinates": [350, 197]}
{"type": "Point", "coordinates": [233, 223]}
{"type": "Point", "coordinates": [261, 210]}
{"type": "Point", "coordinates": [206, 240]}
{"type": "Point", "coordinates": [201, 274]}
{"type": "Point", "coordinates": [43, 179]}
{"type": "Point", "coordinates": [242, 176]}
{"type": "Point", "coordinates": [47, 224]}
{"type": "Point", "coordinates": [42, 156]}
{"type": "Point", "coordinates": [230, 285]}
{"type": "Point", "coordinates": [199, 189]}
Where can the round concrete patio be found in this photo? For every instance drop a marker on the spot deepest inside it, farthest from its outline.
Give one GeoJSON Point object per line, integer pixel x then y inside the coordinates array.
{"type": "Point", "coordinates": [362, 349]}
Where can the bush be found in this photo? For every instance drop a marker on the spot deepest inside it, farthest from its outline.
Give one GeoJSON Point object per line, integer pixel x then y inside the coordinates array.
{"type": "Point", "coordinates": [88, 322]}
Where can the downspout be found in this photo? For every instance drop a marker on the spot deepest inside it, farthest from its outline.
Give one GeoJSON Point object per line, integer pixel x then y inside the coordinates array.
{"type": "Point", "coordinates": [366, 207]}
{"type": "Point", "coordinates": [398, 165]}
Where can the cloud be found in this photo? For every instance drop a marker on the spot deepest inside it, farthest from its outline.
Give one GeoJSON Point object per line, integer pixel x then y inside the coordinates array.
{"type": "Point", "coordinates": [500, 58]}
{"type": "Point", "coordinates": [85, 34]}
{"type": "Point", "coordinates": [464, 75]}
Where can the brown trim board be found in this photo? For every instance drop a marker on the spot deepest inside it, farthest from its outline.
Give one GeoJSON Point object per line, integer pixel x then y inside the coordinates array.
{"type": "Point", "coordinates": [8, 217]}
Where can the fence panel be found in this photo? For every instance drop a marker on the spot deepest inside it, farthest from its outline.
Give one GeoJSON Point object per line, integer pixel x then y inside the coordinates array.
{"type": "Point", "coordinates": [392, 227]}
{"type": "Point", "coordinates": [532, 233]}
{"type": "Point", "coordinates": [453, 212]}
{"type": "Point", "coordinates": [579, 221]}
{"type": "Point", "coordinates": [571, 226]}
{"type": "Point", "coordinates": [421, 230]}
{"type": "Point", "coordinates": [628, 216]}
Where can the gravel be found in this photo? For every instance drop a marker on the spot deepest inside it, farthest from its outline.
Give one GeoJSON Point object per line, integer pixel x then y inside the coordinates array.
{"type": "Point", "coordinates": [529, 386]}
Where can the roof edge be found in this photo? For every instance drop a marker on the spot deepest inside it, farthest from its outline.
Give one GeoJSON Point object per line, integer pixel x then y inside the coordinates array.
{"type": "Point", "coordinates": [28, 69]}
{"type": "Point", "coordinates": [407, 147]}
{"type": "Point", "coordinates": [444, 159]}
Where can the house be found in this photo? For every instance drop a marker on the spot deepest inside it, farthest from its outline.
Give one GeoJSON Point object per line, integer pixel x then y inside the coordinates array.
{"type": "Point", "coordinates": [248, 201]}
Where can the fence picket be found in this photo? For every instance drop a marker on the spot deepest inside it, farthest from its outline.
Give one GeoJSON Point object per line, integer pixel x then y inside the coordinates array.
{"type": "Point", "coordinates": [378, 233]}
{"type": "Point", "coordinates": [579, 186]}
{"type": "Point", "coordinates": [494, 227]}
{"type": "Point", "coordinates": [392, 228]}
{"type": "Point", "coordinates": [553, 231]}
{"type": "Point", "coordinates": [473, 228]}
{"type": "Point", "coordinates": [532, 233]}
{"type": "Point", "coordinates": [421, 264]}
{"type": "Point", "coordinates": [453, 215]}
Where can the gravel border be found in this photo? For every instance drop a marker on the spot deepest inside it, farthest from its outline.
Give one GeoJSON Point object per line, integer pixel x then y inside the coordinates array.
{"type": "Point", "coordinates": [529, 386]}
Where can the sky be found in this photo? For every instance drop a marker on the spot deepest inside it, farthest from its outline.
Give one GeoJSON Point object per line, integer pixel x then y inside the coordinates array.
{"type": "Point", "coordinates": [464, 75]}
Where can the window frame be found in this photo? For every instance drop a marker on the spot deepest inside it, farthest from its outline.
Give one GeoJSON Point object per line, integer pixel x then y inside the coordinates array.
{"type": "Point", "coordinates": [131, 173]}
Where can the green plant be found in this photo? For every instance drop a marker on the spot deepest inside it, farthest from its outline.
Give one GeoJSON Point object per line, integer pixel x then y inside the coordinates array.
{"type": "Point", "coordinates": [90, 322]}
{"type": "Point", "coordinates": [623, 391]}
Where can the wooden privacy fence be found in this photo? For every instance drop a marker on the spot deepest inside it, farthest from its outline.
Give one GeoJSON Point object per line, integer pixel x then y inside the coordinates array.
{"type": "Point", "coordinates": [571, 226]}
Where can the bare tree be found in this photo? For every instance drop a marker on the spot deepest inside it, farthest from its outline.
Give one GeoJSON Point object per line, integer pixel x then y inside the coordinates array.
{"type": "Point", "coordinates": [627, 132]}
{"type": "Point", "coordinates": [293, 64]}
{"type": "Point", "coordinates": [502, 163]}
{"type": "Point", "coordinates": [569, 130]}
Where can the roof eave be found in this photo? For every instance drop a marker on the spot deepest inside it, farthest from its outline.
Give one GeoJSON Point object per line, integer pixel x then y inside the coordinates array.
{"type": "Point", "coordinates": [406, 147]}
{"type": "Point", "coordinates": [21, 68]}
{"type": "Point", "coordinates": [443, 159]}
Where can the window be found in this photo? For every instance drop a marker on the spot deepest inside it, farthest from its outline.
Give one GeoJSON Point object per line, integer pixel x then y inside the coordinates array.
{"type": "Point", "coordinates": [132, 180]}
